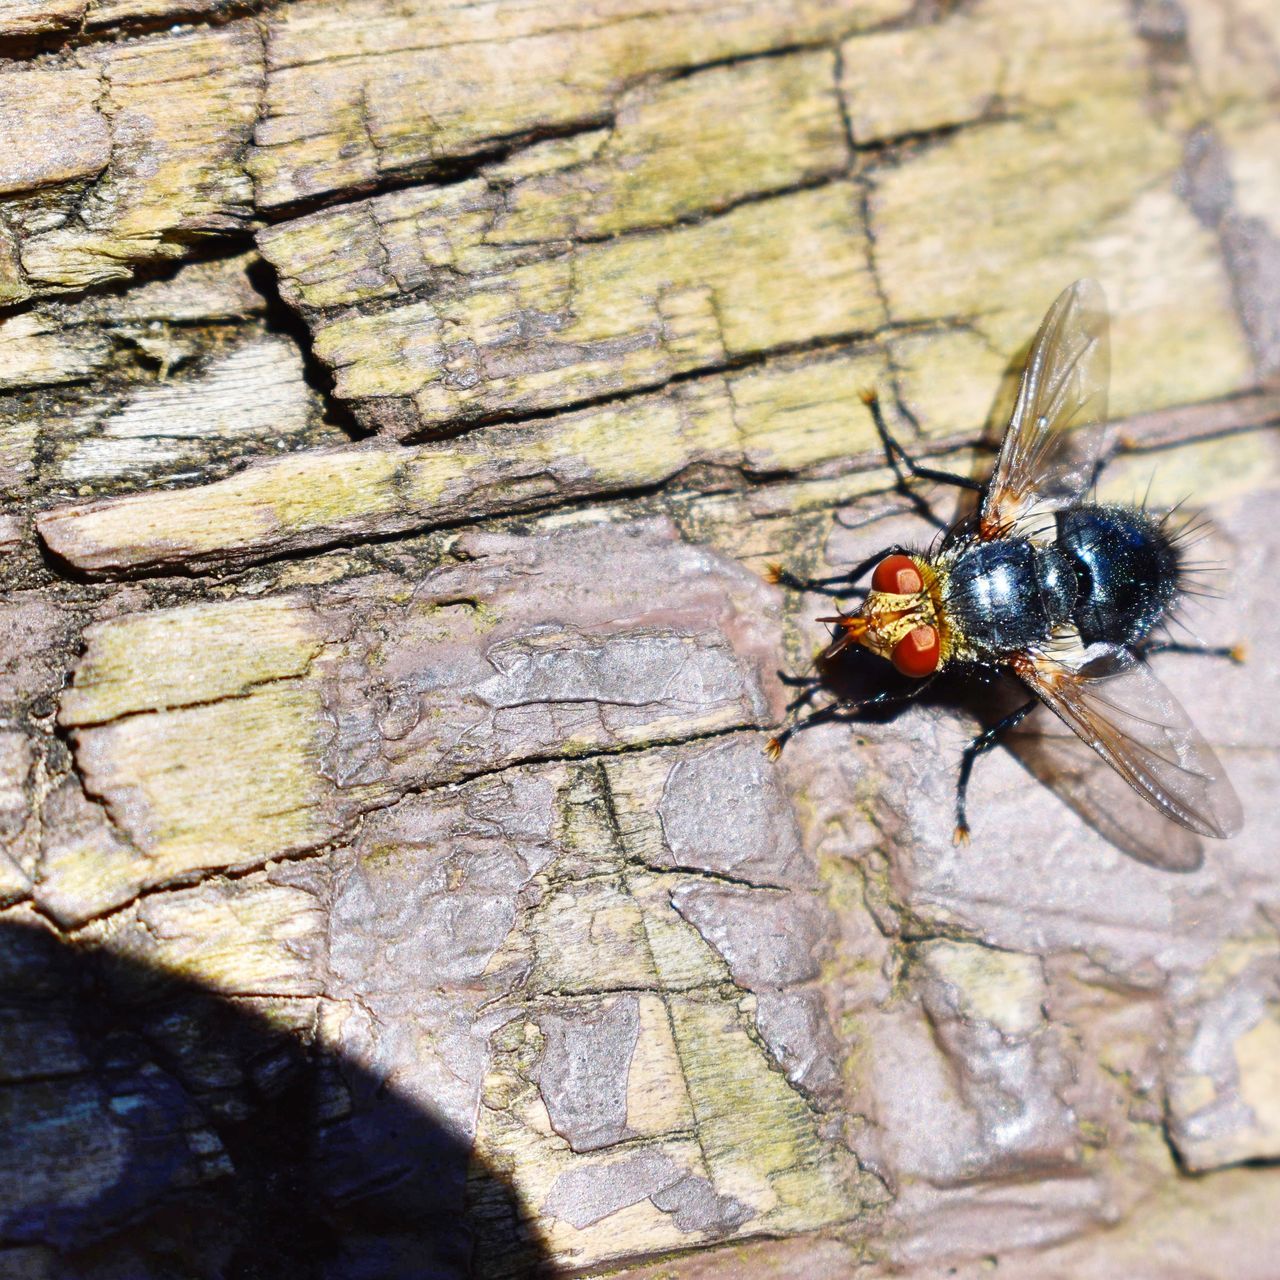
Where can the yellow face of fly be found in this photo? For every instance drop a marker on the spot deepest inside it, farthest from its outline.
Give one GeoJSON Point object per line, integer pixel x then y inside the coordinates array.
{"type": "Point", "coordinates": [905, 627]}
{"type": "Point", "coordinates": [891, 617]}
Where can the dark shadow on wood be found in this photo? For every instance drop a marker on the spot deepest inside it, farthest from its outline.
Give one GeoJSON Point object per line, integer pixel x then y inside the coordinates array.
{"type": "Point", "coordinates": [152, 1129]}
{"type": "Point", "coordinates": [1084, 781]}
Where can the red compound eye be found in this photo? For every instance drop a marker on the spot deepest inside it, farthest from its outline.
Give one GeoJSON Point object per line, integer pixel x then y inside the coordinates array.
{"type": "Point", "coordinates": [917, 653]}
{"type": "Point", "coordinates": [897, 574]}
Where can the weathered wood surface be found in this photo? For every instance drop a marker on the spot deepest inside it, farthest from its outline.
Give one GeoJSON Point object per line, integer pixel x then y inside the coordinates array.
{"type": "Point", "coordinates": [398, 405]}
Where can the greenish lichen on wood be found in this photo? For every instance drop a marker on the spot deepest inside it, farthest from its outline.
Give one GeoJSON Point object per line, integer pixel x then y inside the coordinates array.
{"type": "Point", "coordinates": [479, 816]}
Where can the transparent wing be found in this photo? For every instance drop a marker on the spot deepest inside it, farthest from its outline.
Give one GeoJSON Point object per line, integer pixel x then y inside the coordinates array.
{"type": "Point", "coordinates": [1118, 706]}
{"type": "Point", "coordinates": [1051, 447]}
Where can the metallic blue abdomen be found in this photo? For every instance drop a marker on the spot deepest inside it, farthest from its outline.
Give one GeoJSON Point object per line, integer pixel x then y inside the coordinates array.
{"type": "Point", "coordinates": [1127, 569]}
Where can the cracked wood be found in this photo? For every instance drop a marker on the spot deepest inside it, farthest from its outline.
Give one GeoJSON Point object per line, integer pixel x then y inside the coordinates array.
{"type": "Point", "coordinates": [440, 873]}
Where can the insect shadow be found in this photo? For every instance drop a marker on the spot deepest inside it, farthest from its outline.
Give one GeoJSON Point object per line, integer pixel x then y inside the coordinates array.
{"type": "Point", "coordinates": [156, 1130]}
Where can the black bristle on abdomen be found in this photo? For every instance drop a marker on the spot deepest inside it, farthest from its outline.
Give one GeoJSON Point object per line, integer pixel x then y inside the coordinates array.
{"type": "Point", "coordinates": [1127, 567]}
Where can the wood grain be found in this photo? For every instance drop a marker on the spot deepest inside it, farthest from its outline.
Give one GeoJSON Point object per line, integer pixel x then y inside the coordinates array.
{"type": "Point", "coordinates": [399, 407]}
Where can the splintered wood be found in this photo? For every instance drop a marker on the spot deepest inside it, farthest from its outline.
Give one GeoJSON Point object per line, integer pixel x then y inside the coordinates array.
{"type": "Point", "coordinates": [398, 407]}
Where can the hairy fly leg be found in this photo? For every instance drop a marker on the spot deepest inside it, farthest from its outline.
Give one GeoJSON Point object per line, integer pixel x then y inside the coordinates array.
{"type": "Point", "coordinates": [839, 711]}
{"type": "Point", "coordinates": [898, 456]}
{"type": "Point", "coordinates": [980, 746]}
{"type": "Point", "coordinates": [837, 584]}
{"type": "Point", "coordinates": [1234, 652]}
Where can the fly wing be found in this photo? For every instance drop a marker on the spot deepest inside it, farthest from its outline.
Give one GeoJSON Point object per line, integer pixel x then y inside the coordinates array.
{"type": "Point", "coordinates": [1115, 703]}
{"type": "Point", "coordinates": [1103, 799]}
{"type": "Point", "coordinates": [1053, 441]}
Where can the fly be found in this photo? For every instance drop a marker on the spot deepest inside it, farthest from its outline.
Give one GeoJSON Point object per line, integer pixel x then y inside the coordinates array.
{"type": "Point", "coordinates": [1062, 593]}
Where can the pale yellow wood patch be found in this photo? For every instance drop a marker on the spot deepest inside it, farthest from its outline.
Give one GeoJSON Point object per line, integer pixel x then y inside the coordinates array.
{"type": "Point", "coordinates": [179, 108]}
{"type": "Point", "coordinates": [581, 923]}
{"type": "Point", "coordinates": [795, 413]}
{"type": "Point", "coordinates": [990, 226]}
{"type": "Point", "coordinates": [182, 657]}
{"type": "Point", "coordinates": [357, 90]}
{"type": "Point", "coordinates": [36, 350]}
{"type": "Point", "coordinates": [217, 785]}
{"type": "Point", "coordinates": [1234, 46]}
{"type": "Point", "coordinates": [656, 1103]}
{"type": "Point", "coordinates": [25, 18]}
{"type": "Point", "coordinates": [758, 1134]}
{"type": "Point", "coordinates": [761, 126]}
{"type": "Point", "coordinates": [237, 938]}
{"type": "Point", "coordinates": [624, 313]}
{"type": "Point", "coordinates": [1005, 989]}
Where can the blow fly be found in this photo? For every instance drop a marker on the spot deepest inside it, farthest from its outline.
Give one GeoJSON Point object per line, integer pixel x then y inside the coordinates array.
{"type": "Point", "coordinates": [1062, 592]}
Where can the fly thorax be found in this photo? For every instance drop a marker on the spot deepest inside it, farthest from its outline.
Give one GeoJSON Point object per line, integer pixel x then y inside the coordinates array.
{"type": "Point", "coordinates": [1004, 595]}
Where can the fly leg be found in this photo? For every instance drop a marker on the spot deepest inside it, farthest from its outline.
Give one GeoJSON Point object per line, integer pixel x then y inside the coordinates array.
{"type": "Point", "coordinates": [899, 457]}
{"type": "Point", "coordinates": [838, 583]}
{"type": "Point", "coordinates": [1233, 651]}
{"type": "Point", "coordinates": [808, 686]}
{"type": "Point", "coordinates": [979, 746]}
{"type": "Point", "coordinates": [838, 711]}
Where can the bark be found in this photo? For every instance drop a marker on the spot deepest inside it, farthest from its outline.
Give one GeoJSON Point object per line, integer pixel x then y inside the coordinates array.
{"type": "Point", "coordinates": [399, 406]}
